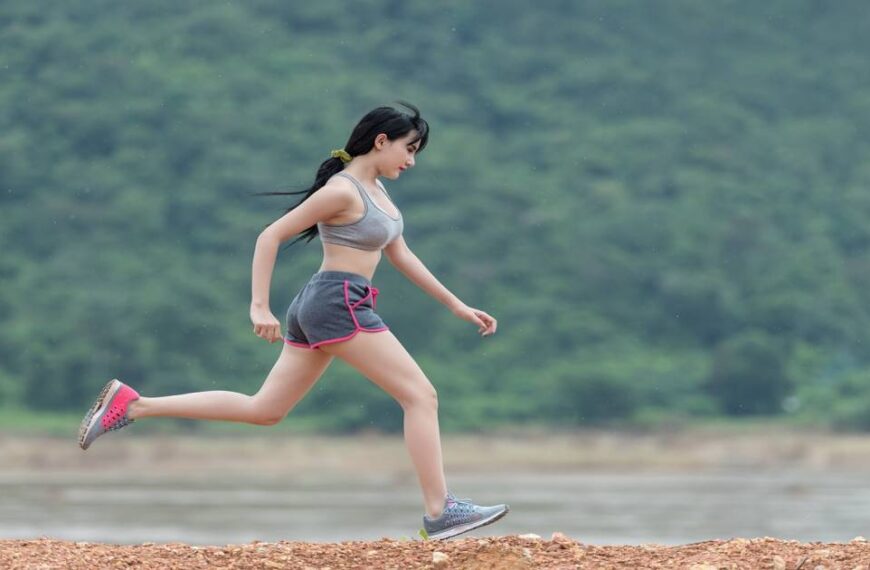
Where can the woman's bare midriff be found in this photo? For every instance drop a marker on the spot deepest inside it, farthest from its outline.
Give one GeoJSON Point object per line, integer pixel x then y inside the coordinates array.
{"type": "Point", "coordinates": [343, 258]}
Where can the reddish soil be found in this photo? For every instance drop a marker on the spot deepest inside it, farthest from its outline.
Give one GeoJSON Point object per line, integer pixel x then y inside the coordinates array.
{"type": "Point", "coordinates": [493, 553]}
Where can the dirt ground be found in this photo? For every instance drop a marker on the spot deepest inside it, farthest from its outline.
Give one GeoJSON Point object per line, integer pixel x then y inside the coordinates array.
{"type": "Point", "coordinates": [495, 553]}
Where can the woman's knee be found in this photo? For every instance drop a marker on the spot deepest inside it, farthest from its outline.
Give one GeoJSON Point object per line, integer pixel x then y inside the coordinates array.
{"type": "Point", "coordinates": [264, 413]}
{"type": "Point", "coordinates": [424, 395]}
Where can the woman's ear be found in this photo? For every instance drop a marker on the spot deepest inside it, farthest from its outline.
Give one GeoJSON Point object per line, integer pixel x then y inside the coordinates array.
{"type": "Point", "coordinates": [380, 141]}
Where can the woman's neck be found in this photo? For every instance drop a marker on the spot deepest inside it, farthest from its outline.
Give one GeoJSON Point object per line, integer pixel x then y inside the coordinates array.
{"type": "Point", "coordinates": [362, 170]}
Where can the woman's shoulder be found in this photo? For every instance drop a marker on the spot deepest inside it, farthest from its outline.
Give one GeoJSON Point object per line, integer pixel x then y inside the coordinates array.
{"type": "Point", "coordinates": [339, 185]}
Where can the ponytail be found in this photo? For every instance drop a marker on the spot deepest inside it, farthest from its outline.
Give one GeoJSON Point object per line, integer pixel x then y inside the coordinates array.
{"type": "Point", "coordinates": [395, 124]}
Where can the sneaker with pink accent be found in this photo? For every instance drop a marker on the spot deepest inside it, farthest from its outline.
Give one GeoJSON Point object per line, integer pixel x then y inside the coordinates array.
{"type": "Point", "coordinates": [108, 413]}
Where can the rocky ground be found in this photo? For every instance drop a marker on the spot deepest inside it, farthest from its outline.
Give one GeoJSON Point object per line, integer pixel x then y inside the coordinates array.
{"type": "Point", "coordinates": [526, 551]}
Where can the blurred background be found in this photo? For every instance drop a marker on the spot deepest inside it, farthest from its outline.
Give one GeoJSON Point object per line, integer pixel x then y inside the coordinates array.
{"type": "Point", "coordinates": [664, 204]}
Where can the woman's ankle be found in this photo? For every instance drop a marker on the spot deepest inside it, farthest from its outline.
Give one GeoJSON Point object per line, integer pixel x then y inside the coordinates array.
{"type": "Point", "coordinates": [434, 511]}
{"type": "Point", "coordinates": [134, 409]}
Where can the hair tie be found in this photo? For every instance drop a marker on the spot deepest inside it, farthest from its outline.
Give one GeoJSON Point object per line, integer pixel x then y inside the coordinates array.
{"type": "Point", "coordinates": [342, 154]}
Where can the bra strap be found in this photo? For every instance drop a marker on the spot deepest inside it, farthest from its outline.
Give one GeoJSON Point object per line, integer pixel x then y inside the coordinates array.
{"type": "Point", "coordinates": [359, 188]}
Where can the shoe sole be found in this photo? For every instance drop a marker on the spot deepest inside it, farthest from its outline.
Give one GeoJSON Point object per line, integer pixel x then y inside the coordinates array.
{"type": "Point", "coordinates": [98, 409]}
{"type": "Point", "coordinates": [459, 529]}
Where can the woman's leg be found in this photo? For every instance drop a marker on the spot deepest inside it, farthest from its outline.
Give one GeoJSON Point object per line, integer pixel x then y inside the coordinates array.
{"type": "Point", "coordinates": [293, 375]}
{"type": "Point", "coordinates": [383, 360]}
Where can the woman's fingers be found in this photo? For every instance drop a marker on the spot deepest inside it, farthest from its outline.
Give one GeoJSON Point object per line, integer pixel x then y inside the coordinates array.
{"type": "Point", "coordinates": [270, 332]}
{"type": "Point", "coordinates": [487, 322]}
{"type": "Point", "coordinates": [479, 322]}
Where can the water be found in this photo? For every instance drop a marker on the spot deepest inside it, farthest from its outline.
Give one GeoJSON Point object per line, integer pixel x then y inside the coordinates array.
{"type": "Point", "coordinates": [593, 507]}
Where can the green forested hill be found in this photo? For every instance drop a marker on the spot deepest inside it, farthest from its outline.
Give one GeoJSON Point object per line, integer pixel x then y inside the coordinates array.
{"type": "Point", "coordinates": [665, 204]}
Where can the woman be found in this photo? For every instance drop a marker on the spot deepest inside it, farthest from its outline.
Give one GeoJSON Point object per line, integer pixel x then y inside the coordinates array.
{"type": "Point", "coordinates": [350, 210]}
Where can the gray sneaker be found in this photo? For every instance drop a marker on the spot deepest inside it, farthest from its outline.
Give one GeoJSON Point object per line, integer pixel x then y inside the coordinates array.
{"type": "Point", "coordinates": [461, 515]}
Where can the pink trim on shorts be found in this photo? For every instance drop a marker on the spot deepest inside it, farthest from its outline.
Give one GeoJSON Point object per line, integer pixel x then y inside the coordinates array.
{"type": "Point", "coordinates": [294, 343]}
{"type": "Point", "coordinates": [373, 293]}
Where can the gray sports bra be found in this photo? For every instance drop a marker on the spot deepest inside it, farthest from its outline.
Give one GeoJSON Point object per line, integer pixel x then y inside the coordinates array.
{"type": "Point", "coordinates": [372, 232]}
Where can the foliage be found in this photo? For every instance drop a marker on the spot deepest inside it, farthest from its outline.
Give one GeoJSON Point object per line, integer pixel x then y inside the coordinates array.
{"type": "Point", "coordinates": [664, 204]}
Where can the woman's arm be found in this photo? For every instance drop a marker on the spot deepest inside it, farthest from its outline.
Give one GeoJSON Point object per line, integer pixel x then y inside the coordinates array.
{"type": "Point", "coordinates": [403, 259]}
{"type": "Point", "coordinates": [326, 203]}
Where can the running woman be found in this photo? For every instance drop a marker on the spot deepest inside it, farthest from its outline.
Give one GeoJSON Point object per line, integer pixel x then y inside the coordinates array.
{"type": "Point", "coordinates": [349, 208]}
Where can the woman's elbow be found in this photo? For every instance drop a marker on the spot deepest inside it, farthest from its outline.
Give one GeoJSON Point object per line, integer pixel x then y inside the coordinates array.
{"type": "Point", "coordinates": [268, 237]}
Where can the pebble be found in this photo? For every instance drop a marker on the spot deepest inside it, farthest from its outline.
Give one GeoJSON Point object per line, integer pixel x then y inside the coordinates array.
{"type": "Point", "coordinates": [778, 563]}
{"type": "Point", "coordinates": [439, 559]}
{"type": "Point", "coordinates": [530, 536]}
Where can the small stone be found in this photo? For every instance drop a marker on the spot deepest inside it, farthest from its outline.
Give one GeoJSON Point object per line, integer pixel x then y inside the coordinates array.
{"type": "Point", "coordinates": [820, 567]}
{"type": "Point", "coordinates": [147, 544]}
{"type": "Point", "coordinates": [559, 536]}
{"type": "Point", "coordinates": [527, 554]}
{"type": "Point", "coordinates": [439, 559]}
{"type": "Point", "coordinates": [703, 567]}
{"type": "Point", "coordinates": [372, 553]}
{"type": "Point", "coordinates": [778, 563]}
{"type": "Point", "coordinates": [859, 539]}
{"type": "Point", "coordinates": [530, 536]}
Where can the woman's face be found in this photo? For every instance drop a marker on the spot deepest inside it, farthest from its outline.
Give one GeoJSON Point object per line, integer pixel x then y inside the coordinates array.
{"type": "Point", "coordinates": [397, 155]}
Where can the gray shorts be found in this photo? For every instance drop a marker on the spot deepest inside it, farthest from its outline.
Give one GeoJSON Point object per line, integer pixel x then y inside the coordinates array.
{"type": "Point", "coordinates": [333, 306]}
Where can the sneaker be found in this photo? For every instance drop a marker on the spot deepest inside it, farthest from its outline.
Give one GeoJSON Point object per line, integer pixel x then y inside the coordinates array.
{"type": "Point", "coordinates": [108, 413]}
{"type": "Point", "coordinates": [461, 515]}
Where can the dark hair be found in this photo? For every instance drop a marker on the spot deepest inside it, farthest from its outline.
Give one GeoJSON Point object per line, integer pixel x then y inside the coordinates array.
{"type": "Point", "coordinates": [395, 124]}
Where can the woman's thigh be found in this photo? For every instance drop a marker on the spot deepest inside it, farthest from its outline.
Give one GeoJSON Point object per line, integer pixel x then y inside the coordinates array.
{"type": "Point", "coordinates": [292, 376]}
{"type": "Point", "coordinates": [381, 358]}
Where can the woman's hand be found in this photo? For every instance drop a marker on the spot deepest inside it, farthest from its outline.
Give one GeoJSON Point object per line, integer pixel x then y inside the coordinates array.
{"type": "Point", "coordinates": [486, 324]}
{"type": "Point", "coordinates": [266, 326]}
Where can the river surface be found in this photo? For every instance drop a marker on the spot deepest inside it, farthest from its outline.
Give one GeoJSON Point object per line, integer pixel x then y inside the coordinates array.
{"type": "Point", "coordinates": [592, 507]}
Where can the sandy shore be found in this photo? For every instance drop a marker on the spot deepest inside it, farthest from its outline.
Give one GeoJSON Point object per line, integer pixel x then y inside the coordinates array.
{"type": "Point", "coordinates": [172, 456]}
{"type": "Point", "coordinates": [678, 450]}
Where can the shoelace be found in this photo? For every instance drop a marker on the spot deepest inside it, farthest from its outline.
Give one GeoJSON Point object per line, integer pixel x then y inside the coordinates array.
{"type": "Point", "coordinates": [455, 499]}
{"type": "Point", "coordinates": [121, 423]}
